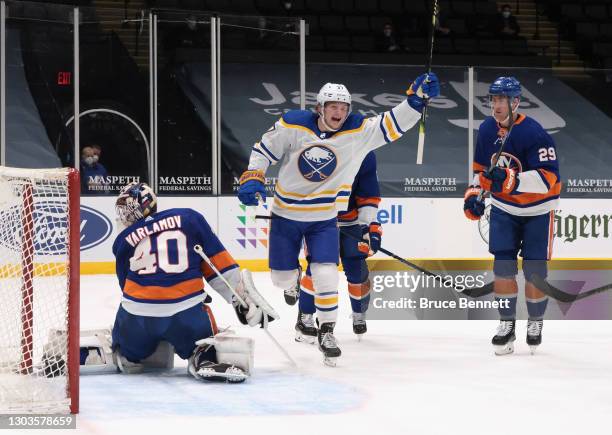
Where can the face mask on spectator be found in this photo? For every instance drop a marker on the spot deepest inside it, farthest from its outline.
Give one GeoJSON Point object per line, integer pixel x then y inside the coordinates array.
{"type": "Point", "coordinates": [506, 14]}
{"type": "Point", "coordinates": [90, 160]}
{"type": "Point", "coordinates": [387, 32]}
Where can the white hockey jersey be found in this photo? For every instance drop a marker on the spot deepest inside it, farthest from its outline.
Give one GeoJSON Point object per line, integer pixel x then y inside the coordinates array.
{"type": "Point", "coordinates": [318, 168]}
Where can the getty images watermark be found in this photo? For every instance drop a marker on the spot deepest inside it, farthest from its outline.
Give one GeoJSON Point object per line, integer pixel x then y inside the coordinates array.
{"type": "Point", "coordinates": [411, 295]}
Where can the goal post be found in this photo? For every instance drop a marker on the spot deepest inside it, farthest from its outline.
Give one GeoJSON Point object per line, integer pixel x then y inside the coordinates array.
{"type": "Point", "coordinates": [39, 290]}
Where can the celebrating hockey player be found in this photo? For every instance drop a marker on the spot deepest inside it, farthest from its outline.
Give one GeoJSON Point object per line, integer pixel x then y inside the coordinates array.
{"type": "Point", "coordinates": [164, 299]}
{"type": "Point", "coordinates": [525, 187]}
{"type": "Point", "coordinates": [321, 153]}
{"type": "Point", "coordinates": [359, 221]}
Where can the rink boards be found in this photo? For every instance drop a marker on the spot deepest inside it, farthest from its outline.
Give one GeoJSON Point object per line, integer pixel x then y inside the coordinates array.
{"type": "Point", "coordinates": [431, 232]}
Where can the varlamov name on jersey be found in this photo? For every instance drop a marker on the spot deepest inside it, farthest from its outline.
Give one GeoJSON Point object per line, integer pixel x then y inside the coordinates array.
{"type": "Point", "coordinates": [318, 168]}
{"type": "Point", "coordinates": [164, 224]}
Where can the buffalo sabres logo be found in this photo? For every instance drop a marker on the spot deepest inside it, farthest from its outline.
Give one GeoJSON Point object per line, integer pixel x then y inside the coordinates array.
{"type": "Point", "coordinates": [507, 160]}
{"type": "Point", "coordinates": [317, 163]}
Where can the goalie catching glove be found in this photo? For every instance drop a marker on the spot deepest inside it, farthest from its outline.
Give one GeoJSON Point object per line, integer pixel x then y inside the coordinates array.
{"type": "Point", "coordinates": [257, 310]}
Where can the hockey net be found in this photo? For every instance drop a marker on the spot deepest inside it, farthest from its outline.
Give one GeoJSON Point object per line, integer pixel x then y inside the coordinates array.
{"type": "Point", "coordinates": [39, 290]}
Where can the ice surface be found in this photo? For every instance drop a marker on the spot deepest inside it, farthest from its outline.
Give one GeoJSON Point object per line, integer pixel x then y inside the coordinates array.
{"type": "Point", "coordinates": [404, 377]}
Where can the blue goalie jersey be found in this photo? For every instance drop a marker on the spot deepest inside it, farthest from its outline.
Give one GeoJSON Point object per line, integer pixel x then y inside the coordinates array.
{"type": "Point", "coordinates": [158, 270]}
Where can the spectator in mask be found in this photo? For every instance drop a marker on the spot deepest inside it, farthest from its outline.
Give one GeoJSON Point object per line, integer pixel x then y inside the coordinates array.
{"type": "Point", "coordinates": [506, 24]}
{"type": "Point", "coordinates": [388, 41]}
{"type": "Point", "coordinates": [92, 172]}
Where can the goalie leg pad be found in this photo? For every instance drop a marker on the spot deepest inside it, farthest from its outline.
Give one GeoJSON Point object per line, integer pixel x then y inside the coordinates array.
{"type": "Point", "coordinates": [95, 347]}
{"type": "Point", "coordinates": [234, 358]}
{"type": "Point", "coordinates": [124, 365]}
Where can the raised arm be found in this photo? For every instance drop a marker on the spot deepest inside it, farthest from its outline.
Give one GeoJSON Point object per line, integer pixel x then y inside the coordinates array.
{"type": "Point", "coordinates": [392, 124]}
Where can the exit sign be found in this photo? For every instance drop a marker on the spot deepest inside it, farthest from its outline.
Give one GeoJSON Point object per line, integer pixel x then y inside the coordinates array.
{"type": "Point", "coordinates": [63, 78]}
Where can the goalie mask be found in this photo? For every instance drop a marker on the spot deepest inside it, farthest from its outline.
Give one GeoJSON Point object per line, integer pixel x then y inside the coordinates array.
{"type": "Point", "coordinates": [135, 201]}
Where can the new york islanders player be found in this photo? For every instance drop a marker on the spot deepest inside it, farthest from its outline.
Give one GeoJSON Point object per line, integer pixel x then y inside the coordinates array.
{"type": "Point", "coordinates": [525, 187]}
{"type": "Point", "coordinates": [163, 290]}
{"type": "Point", "coordinates": [321, 153]}
{"type": "Point", "coordinates": [359, 221]}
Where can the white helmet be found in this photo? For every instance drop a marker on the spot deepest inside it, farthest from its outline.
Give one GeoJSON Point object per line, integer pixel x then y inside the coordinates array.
{"type": "Point", "coordinates": [333, 92]}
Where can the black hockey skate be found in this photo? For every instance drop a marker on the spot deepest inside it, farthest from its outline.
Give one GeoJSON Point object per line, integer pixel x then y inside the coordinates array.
{"type": "Point", "coordinates": [293, 294]}
{"type": "Point", "coordinates": [503, 341]}
{"type": "Point", "coordinates": [534, 334]}
{"type": "Point", "coordinates": [220, 372]}
{"type": "Point", "coordinates": [305, 329]}
{"type": "Point", "coordinates": [359, 324]}
{"type": "Point", "coordinates": [328, 344]}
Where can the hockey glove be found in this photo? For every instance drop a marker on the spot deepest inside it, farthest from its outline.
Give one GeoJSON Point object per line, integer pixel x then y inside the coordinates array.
{"type": "Point", "coordinates": [250, 315]}
{"type": "Point", "coordinates": [372, 238]}
{"type": "Point", "coordinates": [252, 187]}
{"type": "Point", "coordinates": [424, 87]}
{"type": "Point", "coordinates": [500, 180]}
{"type": "Point", "coordinates": [257, 310]}
{"type": "Point", "coordinates": [472, 207]}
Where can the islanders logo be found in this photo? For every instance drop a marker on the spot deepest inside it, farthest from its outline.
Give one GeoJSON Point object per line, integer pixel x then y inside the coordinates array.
{"type": "Point", "coordinates": [317, 163]}
{"type": "Point", "coordinates": [507, 160]}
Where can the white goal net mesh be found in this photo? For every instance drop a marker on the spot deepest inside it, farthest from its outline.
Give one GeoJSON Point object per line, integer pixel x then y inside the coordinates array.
{"type": "Point", "coordinates": [34, 290]}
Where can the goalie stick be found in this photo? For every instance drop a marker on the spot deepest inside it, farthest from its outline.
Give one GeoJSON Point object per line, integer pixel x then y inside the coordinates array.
{"type": "Point", "coordinates": [264, 305]}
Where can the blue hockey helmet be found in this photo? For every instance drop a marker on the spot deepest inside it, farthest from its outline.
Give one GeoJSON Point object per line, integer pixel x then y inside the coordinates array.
{"type": "Point", "coordinates": [506, 86]}
{"type": "Point", "coordinates": [135, 201]}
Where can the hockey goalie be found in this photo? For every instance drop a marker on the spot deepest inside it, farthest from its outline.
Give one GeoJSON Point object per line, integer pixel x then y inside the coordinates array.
{"type": "Point", "coordinates": [164, 308]}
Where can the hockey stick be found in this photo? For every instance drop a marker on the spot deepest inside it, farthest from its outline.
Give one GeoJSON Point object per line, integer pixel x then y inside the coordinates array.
{"type": "Point", "coordinates": [501, 147]}
{"type": "Point", "coordinates": [476, 292]}
{"type": "Point", "coordinates": [198, 249]}
{"type": "Point", "coordinates": [384, 251]}
{"type": "Point", "coordinates": [545, 287]}
{"type": "Point", "coordinates": [432, 31]}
